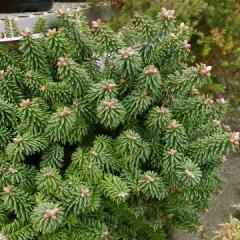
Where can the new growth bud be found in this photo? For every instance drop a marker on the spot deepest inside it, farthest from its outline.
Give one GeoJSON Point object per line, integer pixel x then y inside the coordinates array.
{"type": "Point", "coordinates": [48, 174]}
{"type": "Point", "coordinates": [131, 138]}
{"type": "Point", "coordinates": [51, 213]}
{"type": "Point", "coordinates": [51, 32]}
{"type": "Point", "coordinates": [25, 103]}
{"type": "Point", "coordinates": [187, 45]}
{"type": "Point", "coordinates": [1, 75]}
{"type": "Point", "coordinates": [204, 69]}
{"type": "Point", "coordinates": [183, 26]}
{"type": "Point", "coordinates": [85, 192]}
{"type": "Point", "coordinates": [151, 70]}
{"type": "Point", "coordinates": [163, 111]}
{"type": "Point", "coordinates": [96, 24]}
{"type": "Point", "coordinates": [63, 62]}
{"type": "Point", "coordinates": [2, 237]}
{"type": "Point", "coordinates": [234, 138]}
{"type": "Point", "coordinates": [62, 12]}
{"type": "Point", "coordinates": [136, 15]}
{"type": "Point", "coordinates": [109, 87]}
{"type": "Point", "coordinates": [168, 14]}
{"type": "Point", "coordinates": [7, 189]}
{"type": "Point", "coordinates": [43, 88]}
{"type": "Point", "coordinates": [29, 74]}
{"type": "Point", "coordinates": [149, 179]}
{"type": "Point", "coordinates": [65, 112]}
{"type": "Point", "coordinates": [208, 102]}
{"type": "Point", "coordinates": [17, 139]}
{"type": "Point", "coordinates": [189, 174]}
{"type": "Point", "coordinates": [26, 33]}
{"type": "Point", "coordinates": [105, 234]}
{"type": "Point", "coordinates": [174, 125]}
{"type": "Point", "coordinates": [108, 105]}
{"type": "Point", "coordinates": [122, 194]}
{"type": "Point", "coordinates": [128, 53]}
{"type": "Point", "coordinates": [172, 152]}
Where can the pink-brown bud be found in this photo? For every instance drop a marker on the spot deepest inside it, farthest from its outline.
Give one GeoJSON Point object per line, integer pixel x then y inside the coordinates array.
{"type": "Point", "coordinates": [109, 87]}
{"type": "Point", "coordinates": [108, 105]}
{"type": "Point", "coordinates": [63, 62]}
{"type": "Point", "coordinates": [163, 111]}
{"type": "Point", "coordinates": [208, 102]}
{"type": "Point", "coordinates": [62, 12]}
{"type": "Point", "coordinates": [131, 138]}
{"type": "Point", "coordinates": [2, 237]}
{"type": "Point", "coordinates": [168, 14]}
{"type": "Point", "coordinates": [1, 75]}
{"type": "Point", "coordinates": [85, 192]}
{"type": "Point", "coordinates": [189, 174]}
{"type": "Point", "coordinates": [65, 112]}
{"type": "Point", "coordinates": [128, 53]}
{"type": "Point", "coordinates": [172, 152]}
{"type": "Point", "coordinates": [96, 24]}
{"type": "Point", "coordinates": [174, 125]}
{"type": "Point", "coordinates": [9, 68]}
{"type": "Point", "coordinates": [17, 139]}
{"type": "Point", "coordinates": [26, 33]}
{"type": "Point", "coordinates": [7, 189]}
{"type": "Point", "coordinates": [136, 15]}
{"type": "Point", "coordinates": [234, 138]}
{"type": "Point", "coordinates": [204, 69]}
{"type": "Point", "coordinates": [183, 26]}
{"type": "Point", "coordinates": [29, 74]}
{"type": "Point", "coordinates": [217, 123]}
{"type": "Point", "coordinates": [43, 88]}
{"type": "Point", "coordinates": [51, 32]}
{"type": "Point", "coordinates": [25, 103]}
{"type": "Point", "coordinates": [149, 179]}
{"type": "Point", "coordinates": [187, 45]}
{"type": "Point", "coordinates": [48, 174]}
{"type": "Point", "coordinates": [151, 70]}
{"type": "Point", "coordinates": [105, 234]}
{"type": "Point", "coordinates": [227, 128]}
{"type": "Point", "coordinates": [51, 213]}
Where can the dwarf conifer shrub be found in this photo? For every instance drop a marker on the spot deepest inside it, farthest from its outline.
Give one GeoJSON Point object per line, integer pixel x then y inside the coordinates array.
{"type": "Point", "coordinates": [105, 135]}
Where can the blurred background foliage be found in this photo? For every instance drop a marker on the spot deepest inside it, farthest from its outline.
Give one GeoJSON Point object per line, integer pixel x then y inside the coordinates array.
{"type": "Point", "coordinates": [215, 28]}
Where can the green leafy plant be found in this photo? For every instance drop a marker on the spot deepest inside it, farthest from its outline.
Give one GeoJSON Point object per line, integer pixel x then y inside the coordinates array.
{"type": "Point", "coordinates": [215, 34]}
{"type": "Point", "coordinates": [11, 28]}
{"type": "Point", "coordinates": [104, 135]}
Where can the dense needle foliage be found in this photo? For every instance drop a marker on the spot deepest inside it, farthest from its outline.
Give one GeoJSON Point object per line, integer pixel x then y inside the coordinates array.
{"type": "Point", "coordinates": [105, 135]}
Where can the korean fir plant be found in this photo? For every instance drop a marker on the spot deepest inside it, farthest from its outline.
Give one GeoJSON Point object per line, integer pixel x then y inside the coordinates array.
{"type": "Point", "coordinates": [105, 135]}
